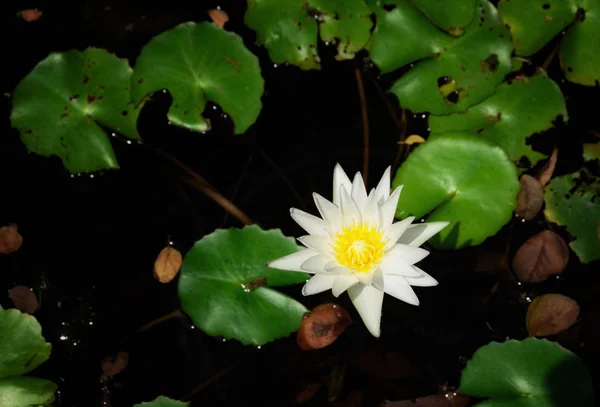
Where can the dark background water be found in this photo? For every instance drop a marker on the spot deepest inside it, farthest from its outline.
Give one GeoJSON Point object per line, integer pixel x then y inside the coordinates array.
{"type": "Point", "coordinates": [90, 243]}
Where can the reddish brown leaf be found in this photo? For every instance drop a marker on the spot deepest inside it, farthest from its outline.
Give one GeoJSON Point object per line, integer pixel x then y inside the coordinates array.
{"type": "Point", "coordinates": [30, 15]}
{"type": "Point", "coordinates": [544, 175]}
{"type": "Point", "coordinates": [307, 393]}
{"type": "Point", "coordinates": [219, 17]}
{"type": "Point", "coordinates": [113, 366]}
{"type": "Point", "coordinates": [540, 257]}
{"type": "Point", "coordinates": [10, 239]}
{"type": "Point", "coordinates": [23, 299]}
{"type": "Point", "coordinates": [531, 197]}
{"type": "Point", "coordinates": [167, 264]}
{"type": "Point", "coordinates": [322, 326]}
{"type": "Point", "coordinates": [491, 262]}
{"type": "Point", "coordinates": [449, 399]}
{"type": "Point", "coordinates": [550, 314]}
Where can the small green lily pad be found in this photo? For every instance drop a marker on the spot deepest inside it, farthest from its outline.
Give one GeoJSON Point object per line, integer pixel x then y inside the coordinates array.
{"type": "Point", "coordinates": [226, 287]}
{"type": "Point", "coordinates": [289, 28]}
{"type": "Point", "coordinates": [22, 346]}
{"type": "Point", "coordinates": [60, 105]}
{"type": "Point", "coordinates": [162, 401]}
{"type": "Point", "coordinates": [528, 373]}
{"type": "Point", "coordinates": [450, 15]}
{"type": "Point", "coordinates": [198, 63]}
{"type": "Point", "coordinates": [591, 151]}
{"type": "Point", "coordinates": [461, 178]}
{"type": "Point", "coordinates": [573, 201]}
{"type": "Point", "coordinates": [451, 73]}
{"type": "Point", "coordinates": [517, 110]}
{"type": "Point", "coordinates": [26, 392]}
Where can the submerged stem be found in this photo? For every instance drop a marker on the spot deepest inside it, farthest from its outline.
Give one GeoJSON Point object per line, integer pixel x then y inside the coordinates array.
{"type": "Point", "coordinates": [365, 123]}
{"type": "Point", "coordinates": [164, 318]}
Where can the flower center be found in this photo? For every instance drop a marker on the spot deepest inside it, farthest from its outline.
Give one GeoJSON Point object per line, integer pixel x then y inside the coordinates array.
{"type": "Point", "coordinates": [359, 247]}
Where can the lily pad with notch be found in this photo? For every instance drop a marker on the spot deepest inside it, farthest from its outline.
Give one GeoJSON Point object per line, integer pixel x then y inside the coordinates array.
{"type": "Point", "coordinates": [227, 289]}
{"type": "Point", "coordinates": [451, 16]}
{"type": "Point", "coordinates": [25, 391]}
{"type": "Point", "coordinates": [162, 401]}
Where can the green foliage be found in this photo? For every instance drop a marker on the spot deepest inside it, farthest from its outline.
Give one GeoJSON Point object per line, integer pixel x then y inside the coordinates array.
{"type": "Point", "coordinates": [198, 63]}
{"type": "Point", "coordinates": [461, 178]}
{"type": "Point", "coordinates": [226, 287]}
{"type": "Point", "coordinates": [289, 28]}
{"type": "Point", "coordinates": [450, 74]}
{"type": "Point", "coordinates": [23, 391]}
{"type": "Point", "coordinates": [517, 110]}
{"type": "Point", "coordinates": [162, 401]}
{"type": "Point", "coordinates": [528, 373]}
{"type": "Point", "coordinates": [60, 106]}
{"type": "Point", "coordinates": [450, 15]}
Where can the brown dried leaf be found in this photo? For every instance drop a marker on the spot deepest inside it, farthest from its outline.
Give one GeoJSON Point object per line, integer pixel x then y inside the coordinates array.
{"type": "Point", "coordinates": [322, 326]}
{"type": "Point", "coordinates": [531, 197]}
{"type": "Point", "coordinates": [113, 366]}
{"type": "Point", "coordinates": [449, 399]}
{"type": "Point", "coordinates": [540, 257]}
{"type": "Point", "coordinates": [30, 15]}
{"type": "Point", "coordinates": [10, 239]}
{"type": "Point", "coordinates": [167, 264]}
{"type": "Point", "coordinates": [544, 175]}
{"type": "Point", "coordinates": [550, 314]}
{"type": "Point", "coordinates": [491, 262]}
{"type": "Point", "coordinates": [219, 17]}
{"type": "Point", "coordinates": [23, 299]}
{"type": "Point", "coordinates": [413, 139]}
{"type": "Point", "coordinates": [307, 393]}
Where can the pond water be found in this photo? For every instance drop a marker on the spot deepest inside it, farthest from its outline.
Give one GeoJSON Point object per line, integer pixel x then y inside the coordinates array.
{"type": "Point", "coordinates": [90, 241]}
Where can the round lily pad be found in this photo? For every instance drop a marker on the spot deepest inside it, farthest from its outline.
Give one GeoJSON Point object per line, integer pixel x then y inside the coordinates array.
{"type": "Point", "coordinates": [26, 391]}
{"type": "Point", "coordinates": [289, 29]}
{"type": "Point", "coordinates": [225, 285]}
{"type": "Point", "coordinates": [517, 110]}
{"type": "Point", "coordinates": [450, 15]}
{"type": "Point", "coordinates": [60, 105]}
{"type": "Point", "coordinates": [451, 73]}
{"type": "Point", "coordinates": [22, 346]}
{"type": "Point", "coordinates": [572, 201]}
{"type": "Point", "coordinates": [528, 373]}
{"type": "Point", "coordinates": [162, 401]}
{"type": "Point", "coordinates": [461, 178]}
{"type": "Point", "coordinates": [198, 63]}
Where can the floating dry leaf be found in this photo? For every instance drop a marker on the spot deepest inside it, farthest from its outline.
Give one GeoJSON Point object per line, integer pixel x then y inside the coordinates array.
{"type": "Point", "coordinates": [540, 257]}
{"type": "Point", "coordinates": [413, 139]}
{"type": "Point", "coordinates": [491, 262]}
{"type": "Point", "coordinates": [113, 366]}
{"type": "Point", "coordinates": [550, 314]}
{"type": "Point", "coordinates": [545, 173]}
{"type": "Point", "coordinates": [448, 399]}
{"type": "Point", "coordinates": [219, 17]}
{"type": "Point", "coordinates": [23, 299]}
{"type": "Point", "coordinates": [10, 239]}
{"type": "Point", "coordinates": [30, 15]}
{"type": "Point", "coordinates": [322, 326]}
{"type": "Point", "coordinates": [531, 197]}
{"type": "Point", "coordinates": [167, 264]}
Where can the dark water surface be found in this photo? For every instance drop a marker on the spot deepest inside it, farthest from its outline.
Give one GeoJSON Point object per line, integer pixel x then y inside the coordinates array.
{"type": "Point", "coordinates": [90, 243]}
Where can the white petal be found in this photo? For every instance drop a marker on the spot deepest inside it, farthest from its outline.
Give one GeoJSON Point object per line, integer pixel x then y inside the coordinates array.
{"type": "Point", "coordinates": [410, 254]}
{"type": "Point", "coordinates": [318, 284]}
{"type": "Point", "coordinates": [329, 211]}
{"type": "Point", "coordinates": [315, 264]}
{"type": "Point", "coordinates": [359, 192]}
{"type": "Point", "coordinates": [382, 192]}
{"type": "Point", "coordinates": [342, 283]}
{"type": "Point", "coordinates": [424, 281]}
{"type": "Point", "coordinates": [308, 222]}
{"type": "Point", "coordinates": [419, 233]}
{"type": "Point", "coordinates": [365, 277]}
{"type": "Point", "coordinates": [395, 265]}
{"type": "Point", "coordinates": [395, 230]}
{"type": "Point", "coordinates": [340, 179]}
{"type": "Point", "coordinates": [370, 214]}
{"type": "Point", "coordinates": [378, 279]}
{"type": "Point", "coordinates": [331, 264]}
{"type": "Point", "coordinates": [368, 301]}
{"type": "Point", "coordinates": [388, 209]}
{"type": "Point", "coordinates": [292, 262]}
{"type": "Point", "coordinates": [398, 287]}
{"type": "Point", "coordinates": [322, 244]}
{"type": "Point", "coordinates": [339, 270]}
{"type": "Point", "coordinates": [350, 212]}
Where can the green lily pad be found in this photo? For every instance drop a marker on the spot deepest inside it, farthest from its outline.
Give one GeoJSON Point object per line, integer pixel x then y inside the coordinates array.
{"type": "Point", "coordinates": [450, 15]}
{"type": "Point", "coordinates": [198, 63]}
{"type": "Point", "coordinates": [451, 73]}
{"type": "Point", "coordinates": [572, 200]}
{"type": "Point", "coordinates": [60, 105]}
{"type": "Point", "coordinates": [162, 401]}
{"type": "Point", "coordinates": [289, 28]}
{"type": "Point", "coordinates": [22, 346]}
{"type": "Point", "coordinates": [225, 285]}
{"type": "Point", "coordinates": [26, 392]}
{"type": "Point", "coordinates": [591, 151]}
{"type": "Point", "coordinates": [528, 373]}
{"type": "Point", "coordinates": [461, 178]}
{"type": "Point", "coordinates": [517, 110]}
{"type": "Point", "coordinates": [535, 23]}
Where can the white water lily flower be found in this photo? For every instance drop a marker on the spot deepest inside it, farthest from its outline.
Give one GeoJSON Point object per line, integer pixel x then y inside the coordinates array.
{"type": "Point", "coordinates": [356, 247]}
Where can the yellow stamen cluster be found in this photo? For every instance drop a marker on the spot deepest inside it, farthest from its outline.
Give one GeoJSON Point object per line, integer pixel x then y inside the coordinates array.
{"type": "Point", "coordinates": [359, 246]}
